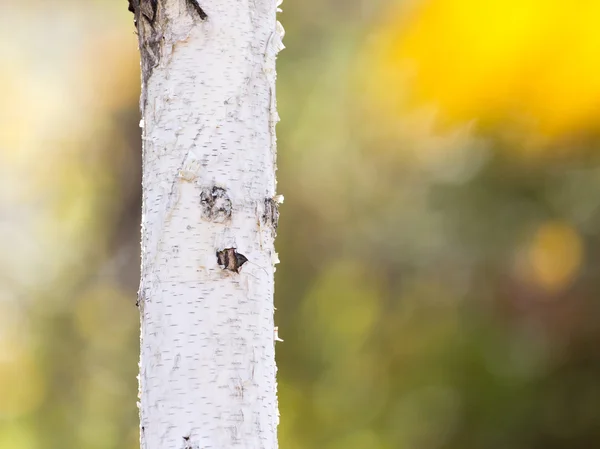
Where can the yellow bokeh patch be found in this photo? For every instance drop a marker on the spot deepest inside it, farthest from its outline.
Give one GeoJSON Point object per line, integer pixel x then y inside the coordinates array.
{"type": "Point", "coordinates": [22, 385]}
{"type": "Point", "coordinates": [555, 256]}
{"type": "Point", "coordinates": [534, 63]}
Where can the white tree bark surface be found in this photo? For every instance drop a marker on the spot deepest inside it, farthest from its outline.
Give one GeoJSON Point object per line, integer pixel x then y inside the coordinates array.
{"type": "Point", "coordinates": [207, 365]}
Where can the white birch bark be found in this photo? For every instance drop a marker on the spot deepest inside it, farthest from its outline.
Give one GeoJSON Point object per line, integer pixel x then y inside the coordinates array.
{"type": "Point", "coordinates": [207, 365]}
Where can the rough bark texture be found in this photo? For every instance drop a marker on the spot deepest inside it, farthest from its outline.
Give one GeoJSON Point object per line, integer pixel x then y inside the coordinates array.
{"type": "Point", "coordinates": [207, 368]}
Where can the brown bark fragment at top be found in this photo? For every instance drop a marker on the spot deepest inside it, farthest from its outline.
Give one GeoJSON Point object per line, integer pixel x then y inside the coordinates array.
{"type": "Point", "coordinates": [146, 8]}
{"type": "Point", "coordinates": [148, 17]}
{"type": "Point", "coordinates": [196, 6]}
{"type": "Point", "coordinates": [149, 9]}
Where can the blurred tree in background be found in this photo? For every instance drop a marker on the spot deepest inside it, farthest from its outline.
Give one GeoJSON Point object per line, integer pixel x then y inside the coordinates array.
{"type": "Point", "coordinates": [440, 237]}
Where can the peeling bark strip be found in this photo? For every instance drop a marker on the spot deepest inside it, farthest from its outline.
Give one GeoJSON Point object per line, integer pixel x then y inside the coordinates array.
{"type": "Point", "coordinates": [230, 259]}
{"type": "Point", "coordinates": [209, 152]}
{"type": "Point", "coordinates": [271, 215]}
{"type": "Point", "coordinates": [149, 38]}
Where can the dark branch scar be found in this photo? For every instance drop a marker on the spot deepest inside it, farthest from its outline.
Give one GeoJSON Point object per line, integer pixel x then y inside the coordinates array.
{"type": "Point", "coordinates": [229, 259]}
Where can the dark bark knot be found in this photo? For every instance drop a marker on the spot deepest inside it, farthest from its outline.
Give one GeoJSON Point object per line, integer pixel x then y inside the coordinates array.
{"type": "Point", "coordinates": [229, 259]}
{"type": "Point", "coordinates": [271, 214]}
{"type": "Point", "coordinates": [216, 205]}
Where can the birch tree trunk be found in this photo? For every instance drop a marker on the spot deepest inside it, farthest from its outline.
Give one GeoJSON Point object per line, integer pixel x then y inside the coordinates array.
{"type": "Point", "coordinates": [207, 365]}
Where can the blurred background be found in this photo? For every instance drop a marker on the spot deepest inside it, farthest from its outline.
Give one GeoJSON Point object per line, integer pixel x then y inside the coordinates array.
{"type": "Point", "coordinates": [440, 239]}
